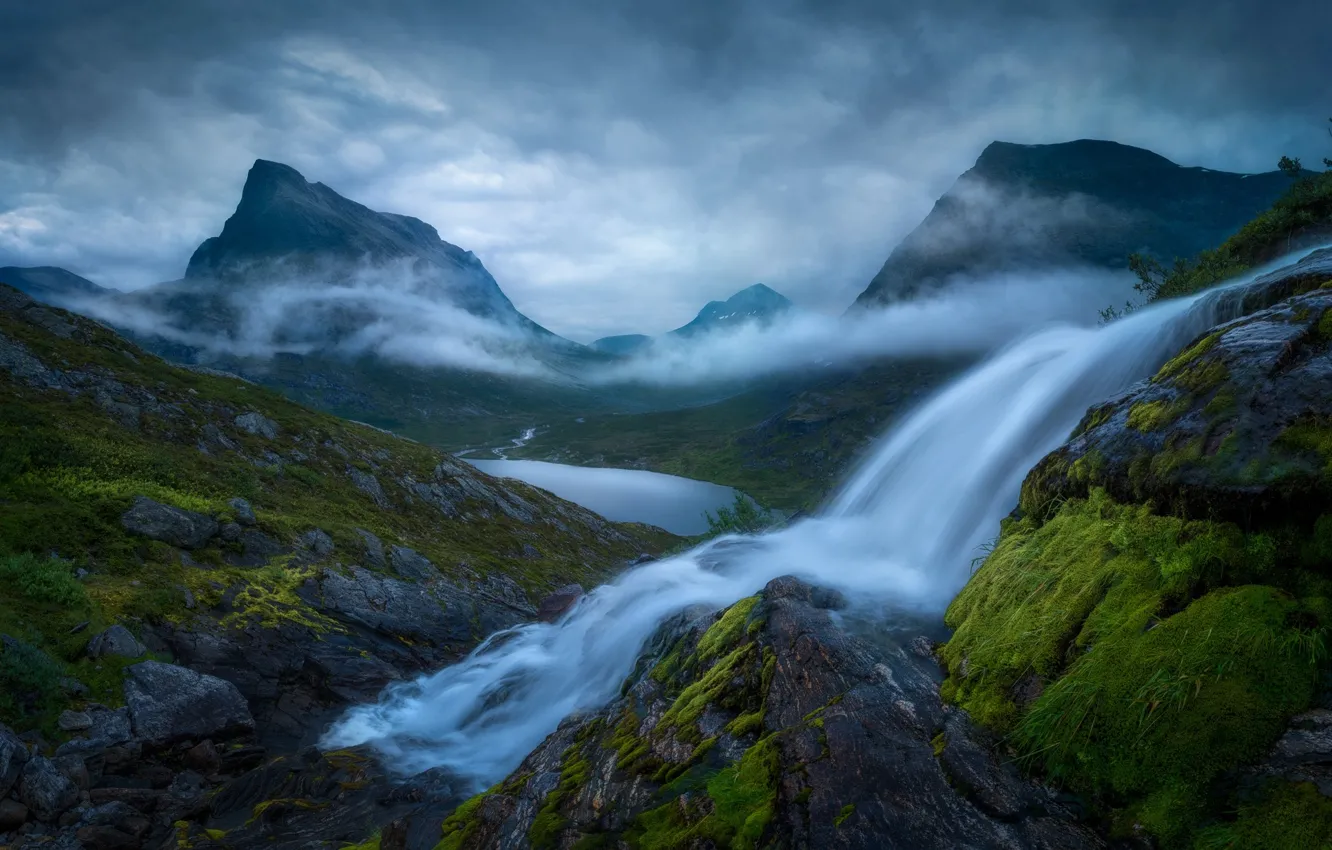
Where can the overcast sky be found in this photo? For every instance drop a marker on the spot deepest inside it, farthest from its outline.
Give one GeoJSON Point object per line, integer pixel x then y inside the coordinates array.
{"type": "Point", "coordinates": [614, 164]}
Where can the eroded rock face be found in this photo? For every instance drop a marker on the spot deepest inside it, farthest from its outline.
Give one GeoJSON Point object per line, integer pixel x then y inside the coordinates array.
{"type": "Point", "coordinates": [46, 791]}
{"type": "Point", "coordinates": [257, 424]}
{"type": "Point", "coordinates": [168, 703]}
{"type": "Point", "coordinates": [186, 529]}
{"type": "Point", "coordinates": [792, 733]}
{"type": "Point", "coordinates": [13, 755]}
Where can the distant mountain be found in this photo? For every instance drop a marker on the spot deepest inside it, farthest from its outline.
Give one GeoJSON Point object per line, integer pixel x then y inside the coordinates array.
{"type": "Point", "coordinates": [50, 284]}
{"type": "Point", "coordinates": [622, 344]}
{"type": "Point", "coordinates": [757, 303]}
{"type": "Point", "coordinates": [1083, 202]}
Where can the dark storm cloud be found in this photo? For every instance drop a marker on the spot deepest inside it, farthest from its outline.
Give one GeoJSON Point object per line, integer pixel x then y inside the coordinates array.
{"type": "Point", "coordinates": [615, 164]}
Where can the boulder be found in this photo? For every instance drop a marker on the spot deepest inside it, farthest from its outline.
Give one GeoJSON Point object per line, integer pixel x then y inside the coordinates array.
{"type": "Point", "coordinates": [46, 791]}
{"type": "Point", "coordinates": [13, 815]}
{"type": "Point", "coordinates": [74, 721]}
{"type": "Point", "coordinates": [115, 642]}
{"type": "Point", "coordinates": [13, 755]}
{"type": "Point", "coordinates": [257, 424]}
{"type": "Point", "coordinates": [374, 549]}
{"type": "Point", "coordinates": [315, 545]}
{"type": "Point", "coordinates": [369, 485]}
{"type": "Point", "coordinates": [410, 564]}
{"type": "Point", "coordinates": [168, 704]}
{"type": "Point", "coordinates": [558, 602]}
{"type": "Point", "coordinates": [244, 513]}
{"type": "Point", "coordinates": [176, 526]}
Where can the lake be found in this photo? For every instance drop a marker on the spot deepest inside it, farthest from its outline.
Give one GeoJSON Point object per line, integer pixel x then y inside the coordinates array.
{"type": "Point", "coordinates": [625, 495]}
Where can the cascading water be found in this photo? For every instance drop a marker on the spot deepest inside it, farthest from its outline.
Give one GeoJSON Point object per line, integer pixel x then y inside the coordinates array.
{"type": "Point", "coordinates": [901, 534]}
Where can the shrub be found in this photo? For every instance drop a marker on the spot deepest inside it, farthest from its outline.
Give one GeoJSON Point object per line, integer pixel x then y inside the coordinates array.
{"type": "Point", "coordinates": [45, 580]}
{"type": "Point", "coordinates": [745, 516]}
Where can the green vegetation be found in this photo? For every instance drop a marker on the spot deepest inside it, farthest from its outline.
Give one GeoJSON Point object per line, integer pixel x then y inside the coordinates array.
{"type": "Point", "coordinates": [71, 464]}
{"type": "Point", "coordinates": [785, 443]}
{"type": "Point", "coordinates": [1167, 652]}
{"type": "Point", "coordinates": [743, 517]}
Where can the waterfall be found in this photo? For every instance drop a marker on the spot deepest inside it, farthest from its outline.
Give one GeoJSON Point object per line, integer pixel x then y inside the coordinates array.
{"type": "Point", "coordinates": [900, 535]}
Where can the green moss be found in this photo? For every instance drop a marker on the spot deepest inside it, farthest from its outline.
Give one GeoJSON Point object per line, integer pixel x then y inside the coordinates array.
{"type": "Point", "coordinates": [714, 687]}
{"type": "Point", "coordinates": [1154, 415]}
{"type": "Point", "coordinates": [727, 631]}
{"type": "Point", "coordinates": [1187, 358]}
{"type": "Point", "coordinates": [743, 800]}
{"type": "Point", "coordinates": [575, 771]}
{"type": "Point", "coordinates": [1287, 816]}
{"type": "Point", "coordinates": [371, 843]}
{"type": "Point", "coordinates": [847, 811]}
{"type": "Point", "coordinates": [1163, 668]}
{"type": "Point", "coordinates": [460, 828]}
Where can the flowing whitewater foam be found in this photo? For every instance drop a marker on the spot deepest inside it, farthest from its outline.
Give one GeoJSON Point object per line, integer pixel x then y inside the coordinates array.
{"type": "Point", "coordinates": [900, 535]}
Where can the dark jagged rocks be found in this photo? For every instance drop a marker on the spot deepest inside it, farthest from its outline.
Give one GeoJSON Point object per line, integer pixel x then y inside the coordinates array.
{"type": "Point", "coordinates": [769, 726]}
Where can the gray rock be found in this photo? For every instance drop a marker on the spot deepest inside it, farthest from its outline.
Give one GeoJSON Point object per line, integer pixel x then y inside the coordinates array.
{"type": "Point", "coordinates": [230, 532]}
{"type": "Point", "coordinates": [244, 513]}
{"type": "Point", "coordinates": [395, 608]}
{"type": "Point", "coordinates": [186, 529]}
{"type": "Point", "coordinates": [315, 544]}
{"type": "Point", "coordinates": [257, 549]}
{"type": "Point", "coordinates": [169, 704]}
{"type": "Point", "coordinates": [374, 549]}
{"type": "Point", "coordinates": [74, 768]}
{"type": "Point", "coordinates": [257, 424]}
{"type": "Point", "coordinates": [115, 642]}
{"type": "Point", "coordinates": [74, 721]}
{"type": "Point", "coordinates": [13, 755]}
{"type": "Point", "coordinates": [13, 814]}
{"type": "Point", "coordinates": [46, 791]}
{"type": "Point", "coordinates": [409, 563]}
{"type": "Point", "coordinates": [369, 485]}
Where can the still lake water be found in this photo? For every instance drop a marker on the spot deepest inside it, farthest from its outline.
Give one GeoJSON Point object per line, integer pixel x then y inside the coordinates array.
{"type": "Point", "coordinates": [625, 495]}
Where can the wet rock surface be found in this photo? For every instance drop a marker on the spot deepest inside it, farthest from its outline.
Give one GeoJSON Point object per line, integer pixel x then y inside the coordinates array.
{"type": "Point", "coordinates": [776, 724]}
{"type": "Point", "coordinates": [179, 527]}
{"type": "Point", "coordinates": [1232, 428]}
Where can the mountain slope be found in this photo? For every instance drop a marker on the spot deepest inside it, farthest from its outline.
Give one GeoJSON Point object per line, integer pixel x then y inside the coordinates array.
{"type": "Point", "coordinates": [1082, 202]}
{"type": "Point", "coordinates": [51, 284]}
{"type": "Point", "coordinates": [118, 464]}
{"type": "Point", "coordinates": [758, 303]}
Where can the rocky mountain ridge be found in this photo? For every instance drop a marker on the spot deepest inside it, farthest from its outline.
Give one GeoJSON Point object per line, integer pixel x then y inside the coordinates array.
{"type": "Point", "coordinates": [757, 304]}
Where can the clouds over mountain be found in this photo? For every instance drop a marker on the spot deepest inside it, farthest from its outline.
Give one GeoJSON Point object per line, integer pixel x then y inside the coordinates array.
{"type": "Point", "coordinates": [614, 165]}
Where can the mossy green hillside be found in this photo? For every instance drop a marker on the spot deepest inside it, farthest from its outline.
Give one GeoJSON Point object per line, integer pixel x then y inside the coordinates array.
{"type": "Point", "coordinates": [1139, 658]}
{"type": "Point", "coordinates": [73, 460]}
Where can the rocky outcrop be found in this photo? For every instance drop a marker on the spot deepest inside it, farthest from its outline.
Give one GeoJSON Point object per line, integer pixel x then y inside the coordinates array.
{"type": "Point", "coordinates": [1235, 427]}
{"type": "Point", "coordinates": [769, 726]}
{"type": "Point", "coordinates": [168, 703]}
{"type": "Point", "coordinates": [45, 790]}
{"type": "Point", "coordinates": [176, 526]}
{"type": "Point", "coordinates": [115, 642]}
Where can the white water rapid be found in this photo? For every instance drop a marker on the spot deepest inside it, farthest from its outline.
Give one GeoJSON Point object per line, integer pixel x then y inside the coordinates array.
{"type": "Point", "coordinates": [900, 536]}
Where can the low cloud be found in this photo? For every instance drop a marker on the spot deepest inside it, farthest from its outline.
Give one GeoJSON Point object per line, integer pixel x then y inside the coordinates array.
{"type": "Point", "coordinates": [405, 318]}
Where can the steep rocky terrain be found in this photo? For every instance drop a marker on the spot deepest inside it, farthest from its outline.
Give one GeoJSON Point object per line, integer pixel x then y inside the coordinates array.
{"type": "Point", "coordinates": [196, 574]}
{"type": "Point", "coordinates": [1086, 202]}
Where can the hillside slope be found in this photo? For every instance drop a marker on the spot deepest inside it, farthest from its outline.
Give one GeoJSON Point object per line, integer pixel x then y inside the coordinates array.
{"type": "Point", "coordinates": [228, 528]}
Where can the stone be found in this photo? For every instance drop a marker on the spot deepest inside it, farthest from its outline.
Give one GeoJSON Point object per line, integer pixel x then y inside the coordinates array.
{"type": "Point", "coordinates": [315, 544]}
{"type": "Point", "coordinates": [46, 791]}
{"type": "Point", "coordinates": [168, 703]}
{"type": "Point", "coordinates": [202, 757]}
{"type": "Point", "coordinates": [75, 769]}
{"type": "Point", "coordinates": [244, 513]}
{"type": "Point", "coordinates": [369, 485]}
{"type": "Point", "coordinates": [257, 549]}
{"type": "Point", "coordinates": [143, 800]}
{"type": "Point", "coordinates": [176, 526]}
{"type": "Point", "coordinates": [410, 564]}
{"type": "Point", "coordinates": [374, 549]}
{"type": "Point", "coordinates": [230, 532]}
{"type": "Point", "coordinates": [558, 602]}
{"type": "Point", "coordinates": [74, 721]}
{"type": "Point", "coordinates": [257, 424]}
{"type": "Point", "coordinates": [13, 814]}
{"type": "Point", "coordinates": [106, 838]}
{"type": "Point", "coordinates": [115, 642]}
{"type": "Point", "coordinates": [13, 755]}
